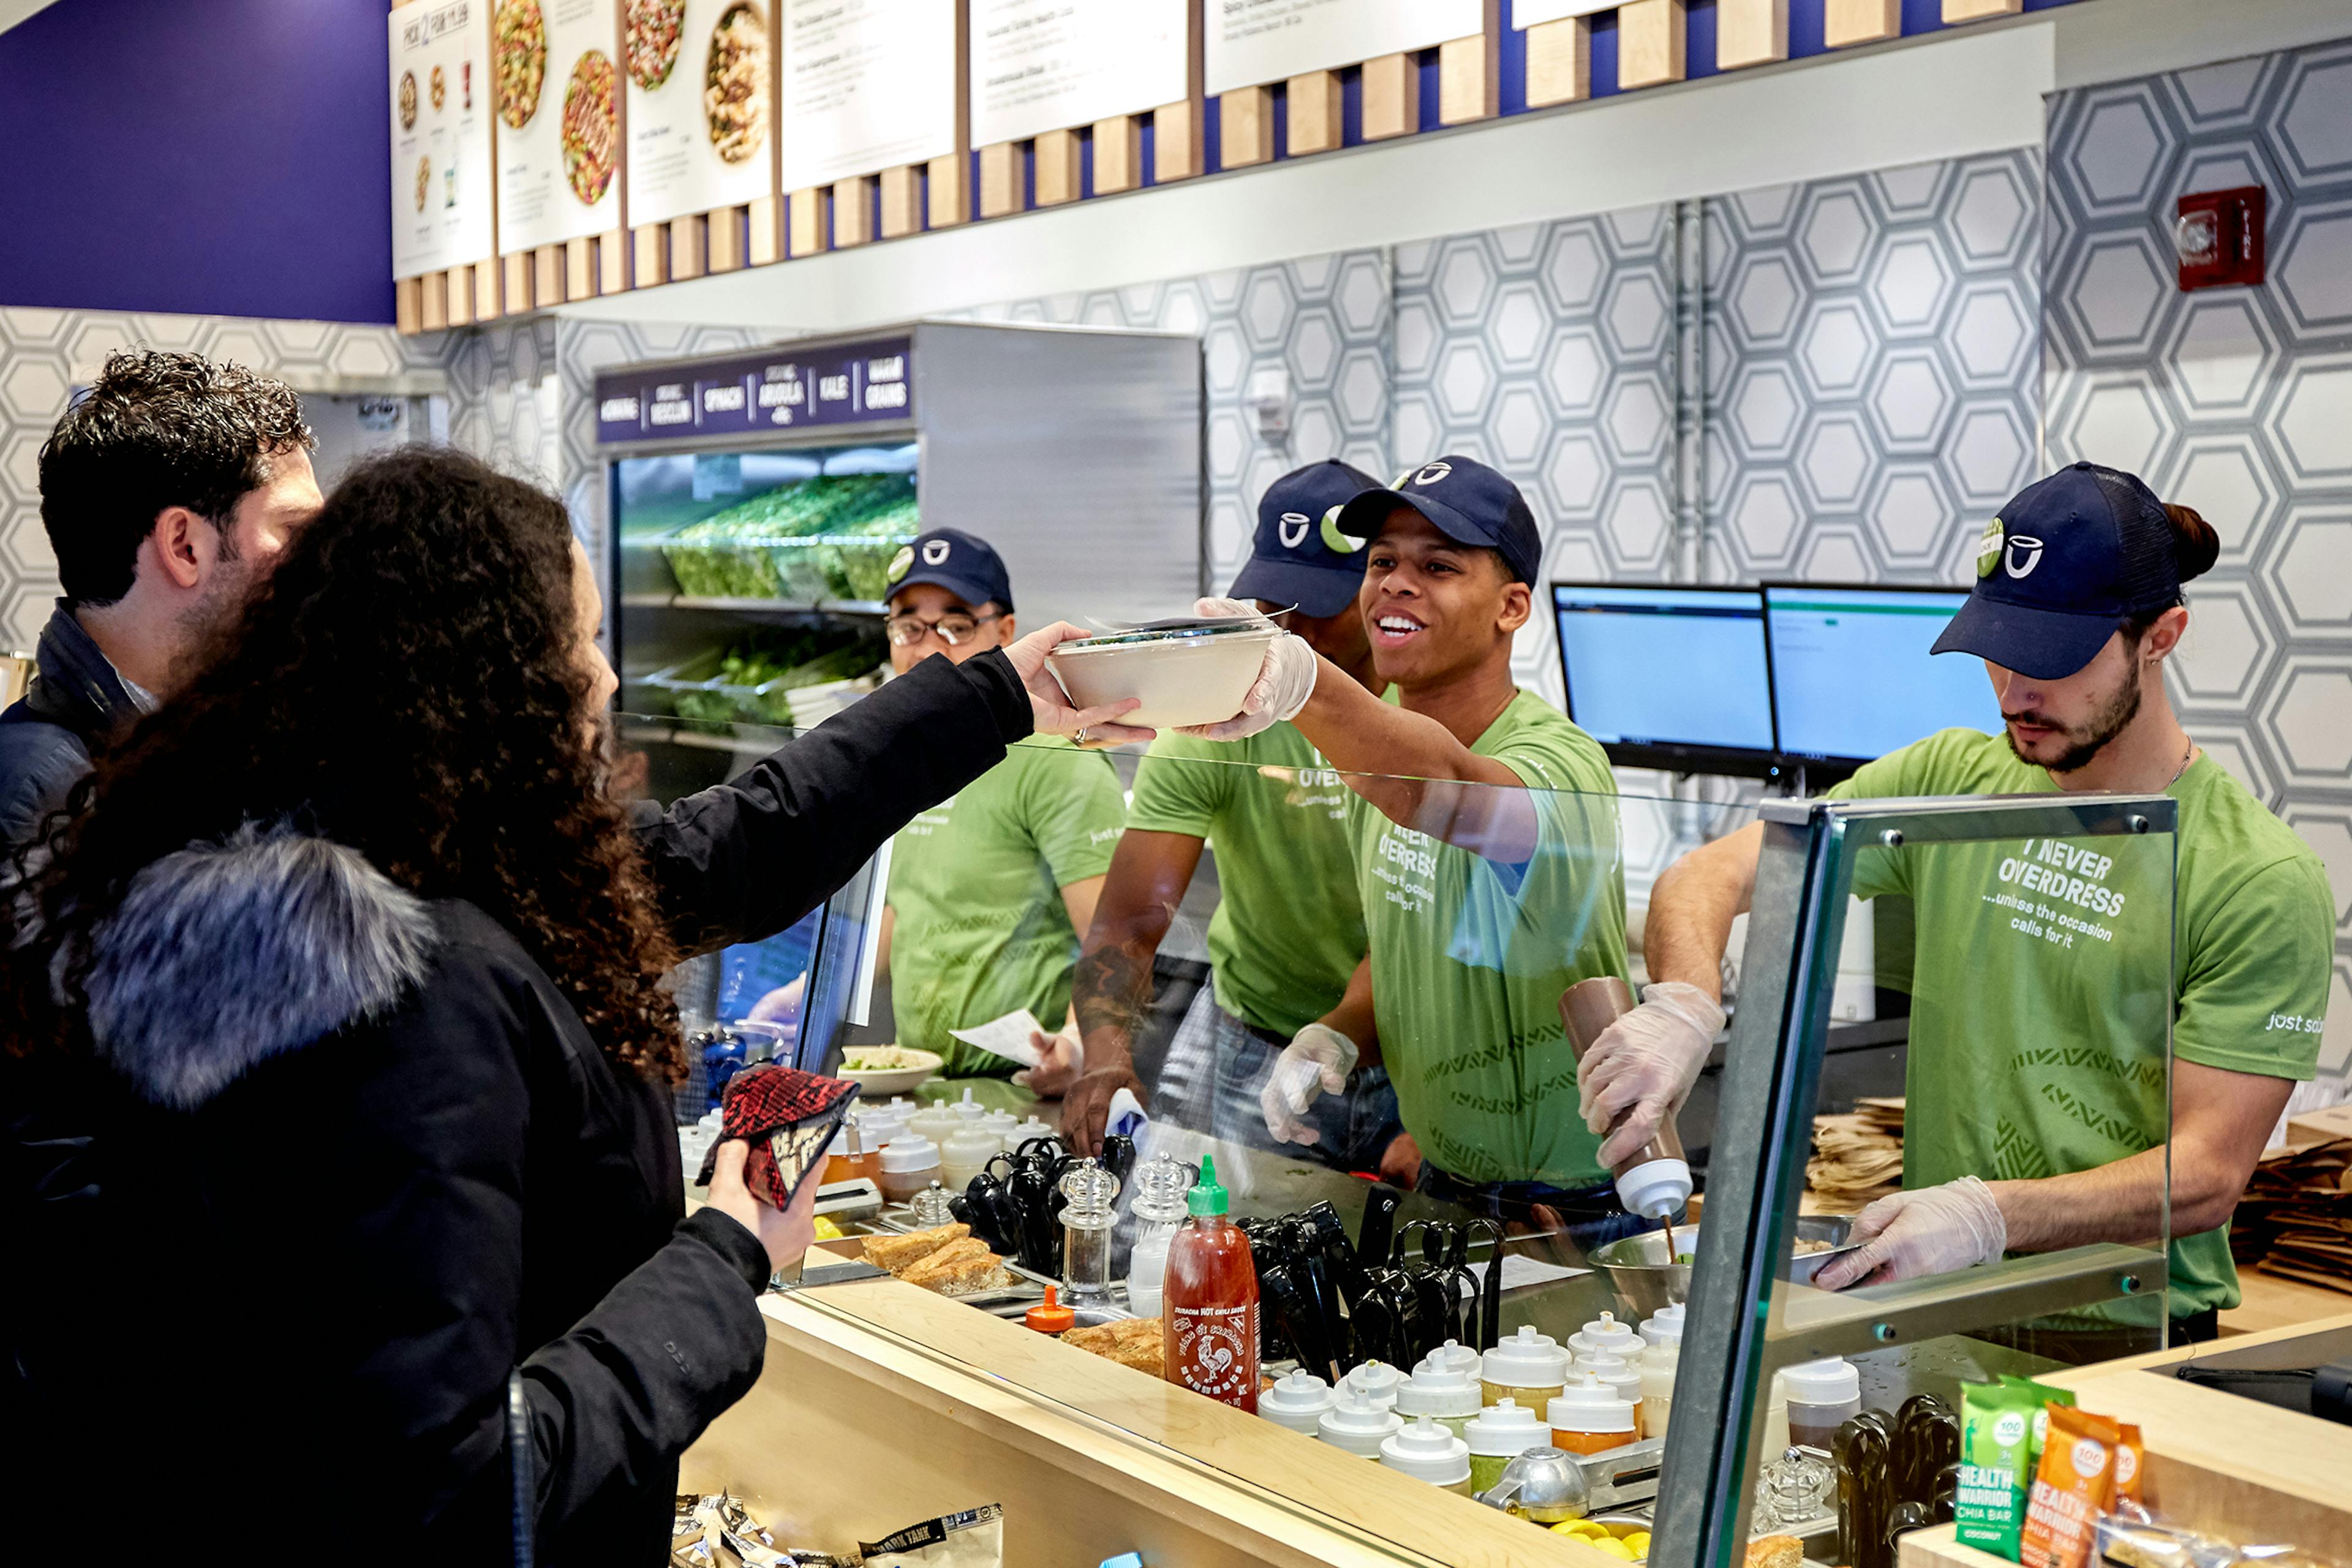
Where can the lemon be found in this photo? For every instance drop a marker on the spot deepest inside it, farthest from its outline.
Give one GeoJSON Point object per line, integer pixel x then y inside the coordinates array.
{"type": "Point", "coordinates": [1638, 1543]}
{"type": "Point", "coordinates": [1611, 1545]}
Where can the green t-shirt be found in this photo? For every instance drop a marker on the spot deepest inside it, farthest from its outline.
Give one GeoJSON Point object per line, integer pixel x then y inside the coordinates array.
{"type": "Point", "coordinates": [2039, 980]}
{"type": "Point", "coordinates": [1470, 957]}
{"type": "Point", "coordinates": [976, 886]}
{"type": "Point", "coordinates": [1278, 818]}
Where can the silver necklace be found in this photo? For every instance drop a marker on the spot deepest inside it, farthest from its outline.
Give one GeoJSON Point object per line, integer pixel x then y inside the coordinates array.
{"type": "Point", "coordinates": [2186, 758]}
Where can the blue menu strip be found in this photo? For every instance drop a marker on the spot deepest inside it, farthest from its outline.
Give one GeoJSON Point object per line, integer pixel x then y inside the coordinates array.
{"type": "Point", "coordinates": [772, 389]}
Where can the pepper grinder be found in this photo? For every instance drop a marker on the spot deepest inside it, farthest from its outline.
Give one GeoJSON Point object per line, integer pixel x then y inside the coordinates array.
{"type": "Point", "coordinates": [1086, 1221]}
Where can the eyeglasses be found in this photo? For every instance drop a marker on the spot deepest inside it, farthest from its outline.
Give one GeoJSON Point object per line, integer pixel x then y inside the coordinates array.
{"type": "Point", "coordinates": [905, 631]}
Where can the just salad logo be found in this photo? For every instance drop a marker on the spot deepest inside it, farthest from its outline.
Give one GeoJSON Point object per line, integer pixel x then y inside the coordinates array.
{"type": "Point", "coordinates": [1998, 548]}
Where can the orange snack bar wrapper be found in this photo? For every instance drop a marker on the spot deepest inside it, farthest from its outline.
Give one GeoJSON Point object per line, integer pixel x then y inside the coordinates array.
{"type": "Point", "coordinates": [2075, 1484]}
{"type": "Point", "coordinates": [2130, 1453]}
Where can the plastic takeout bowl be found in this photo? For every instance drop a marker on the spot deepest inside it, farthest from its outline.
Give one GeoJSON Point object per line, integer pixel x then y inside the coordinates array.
{"type": "Point", "coordinates": [1182, 679]}
{"type": "Point", "coordinates": [1645, 1279]}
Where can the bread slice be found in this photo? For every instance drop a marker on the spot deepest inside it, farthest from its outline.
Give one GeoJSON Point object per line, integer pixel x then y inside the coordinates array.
{"type": "Point", "coordinates": [1776, 1551]}
{"type": "Point", "coordinates": [961, 1264]}
{"type": "Point", "coordinates": [897, 1253]}
{"type": "Point", "coordinates": [1131, 1341]}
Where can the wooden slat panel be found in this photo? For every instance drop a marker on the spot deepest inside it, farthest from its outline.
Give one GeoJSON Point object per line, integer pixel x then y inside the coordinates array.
{"type": "Point", "coordinates": [722, 240]}
{"type": "Point", "coordinates": [547, 276]}
{"type": "Point", "coordinates": [806, 230]}
{"type": "Point", "coordinates": [1391, 97]}
{"type": "Point", "coordinates": [1176, 152]}
{"type": "Point", "coordinates": [1978, 10]}
{"type": "Point", "coordinates": [689, 247]}
{"type": "Point", "coordinates": [948, 202]}
{"type": "Point", "coordinates": [487, 300]}
{"type": "Point", "coordinates": [1059, 170]}
{"type": "Point", "coordinates": [1000, 179]}
{"type": "Point", "coordinates": [1848, 22]}
{"type": "Point", "coordinates": [1469, 85]}
{"type": "Point", "coordinates": [461, 296]}
{"type": "Point", "coordinates": [1245, 126]}
{"type": "Point", "coordinates": [1750, 33]}
{"type": "Point", "coordinates": [1560, 61]}
{"type": "Point", "coordinates": [1313, 110]}
{"type": "Point", "coordinates": [652, 243]}
{"type": "Point", "coordinates": [576, 263]}
{"type": "Point", "coordinates": [766, 227]}
{"type": "Point", "coordinates": [611, 251]}
{"type": "Point", "coordinates": [1118, 155]}
{"type": "Point", "coordinates": [1651, 39]}
{"type": "Point", "coordinates": [408, 305]}
{"type": "Point", "coordinates": [902, 202]}
{"type": "Point", "coordinates": [432, 301]}
{"type": "Point", "coordinates": [853, 211]}
{"type": "Point", "coordinates": [519, 292]}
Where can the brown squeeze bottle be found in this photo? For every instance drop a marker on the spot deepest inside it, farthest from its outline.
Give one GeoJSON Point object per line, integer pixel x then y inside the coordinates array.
{"type": "Point", "coordinates": [1208, 1306]}
{"type": "Point", "coordinates": [1654, 1181]}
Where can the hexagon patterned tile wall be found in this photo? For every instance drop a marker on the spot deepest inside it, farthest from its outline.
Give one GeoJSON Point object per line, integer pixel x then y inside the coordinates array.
{"type": "Point", "coordinates": [2236, 400]}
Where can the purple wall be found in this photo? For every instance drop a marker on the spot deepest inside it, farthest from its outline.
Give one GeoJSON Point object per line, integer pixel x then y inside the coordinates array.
{"type": "Point", "coordinates": [224, 158]}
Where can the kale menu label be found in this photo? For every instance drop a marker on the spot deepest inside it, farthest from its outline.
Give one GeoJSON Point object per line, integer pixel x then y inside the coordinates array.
{"type": "Point", "coordinates": [1046, 65]}
{"type": "Point", "coordinates": [774, 389]}
{"type": "Point", "coordinates": [1249, 42]}
{"type": "Point", "coordinates": [441, 161]}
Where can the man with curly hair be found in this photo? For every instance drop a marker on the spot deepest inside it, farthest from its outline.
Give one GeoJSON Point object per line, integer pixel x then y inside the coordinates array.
{"type": "Point", "coordinates": [169, 490]}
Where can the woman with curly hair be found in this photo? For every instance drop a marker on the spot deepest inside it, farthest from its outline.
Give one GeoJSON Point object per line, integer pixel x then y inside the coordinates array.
{"type": "Point", "coordinates": [336, 1024]}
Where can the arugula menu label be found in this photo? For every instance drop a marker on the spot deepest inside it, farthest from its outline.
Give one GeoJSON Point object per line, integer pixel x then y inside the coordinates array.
{"type": "Point", "coordinates": [440, 136]}
{"type": "Point", "coordinates": [558, 99]}
{"type": "Point", "coordinates": [701, 83]}
{"type": "Point", "coordinates": [1046, 65]}
{"type": "Point", "coordinates": [1250, 42]}
{"type": "Point", "coordinates": [868, 85]}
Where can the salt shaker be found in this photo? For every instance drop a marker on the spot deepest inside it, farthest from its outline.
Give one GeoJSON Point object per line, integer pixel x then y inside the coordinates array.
{"type": "Point", "coordinates": [1086, 1223]}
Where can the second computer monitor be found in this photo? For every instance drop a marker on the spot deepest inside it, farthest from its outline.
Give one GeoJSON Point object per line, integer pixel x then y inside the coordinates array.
{"type": "Point", "coordinates": [1668, 677]}
{"type": "Point", "coordinates": [1853, 675]}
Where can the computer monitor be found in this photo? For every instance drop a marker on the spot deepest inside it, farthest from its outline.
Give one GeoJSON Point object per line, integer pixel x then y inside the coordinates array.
{"type": "Point", "coordinates": [1853, 678]}
{"type": "Point", "coordinates": [1668, 677]}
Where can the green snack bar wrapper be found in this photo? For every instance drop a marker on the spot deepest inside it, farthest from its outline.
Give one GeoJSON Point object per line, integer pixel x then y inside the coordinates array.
{"type": "Point", "coordinates": [2001, 1427]}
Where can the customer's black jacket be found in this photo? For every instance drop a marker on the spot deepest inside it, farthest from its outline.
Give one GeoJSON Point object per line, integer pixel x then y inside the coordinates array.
{"type": "Point", "coordinates": [350, 1156]}
{"type": "Point", "coordinates": [76, 707]}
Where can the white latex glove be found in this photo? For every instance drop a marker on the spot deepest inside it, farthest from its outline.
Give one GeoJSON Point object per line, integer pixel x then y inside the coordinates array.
{"type": "Point", "coordinates": [1049, 705]}
{"type": "Point", "coordinates": [1935, 1230]}
{"type": "Point", "coordinates": [1285, 681]}
{"type": "Point", "coordinates": [1644, 1065]}
{"type": "Point", "coordinates": [1317, 1061]}
{"type": "Point", "coordinates": [1061, 1062]}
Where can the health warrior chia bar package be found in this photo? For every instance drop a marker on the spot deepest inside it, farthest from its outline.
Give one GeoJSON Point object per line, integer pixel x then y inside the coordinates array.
{"type": "Point", "coordinates": [2001, 1429]}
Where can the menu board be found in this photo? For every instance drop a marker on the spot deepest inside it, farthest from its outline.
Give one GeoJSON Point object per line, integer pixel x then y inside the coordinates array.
{"type": "Point", "coordinates": [702, 87]}
{"type": "Point", "coordinates": [1044, 65]}
{"type": "Point", "coordinates": [1530, 13]}
{"type": "Point", "coordinates": [868, 85]}
{"type": "Point", "coordinates": [775, 388]}
{"type": "Point", "coordinates": [440, 136]}
{"type": "Point", "coordinates": [1250, 42]}
{"type": "Point", "coordinates": [558, 95]}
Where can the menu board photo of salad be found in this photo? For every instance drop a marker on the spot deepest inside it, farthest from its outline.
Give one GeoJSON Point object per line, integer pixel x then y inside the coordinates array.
{"type": "Point", "coordinates": [441, 159]}
{"type": "Point", "coordinates": [701, 95]}
{"type": "Point", "coordinates": [558, 103]}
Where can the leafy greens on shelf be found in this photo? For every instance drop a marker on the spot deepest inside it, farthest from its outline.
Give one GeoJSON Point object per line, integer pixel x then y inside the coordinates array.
{"type": "Point", "coordinates": [816, 539]}
{"type": "Point", "coordinates": [754, 677]}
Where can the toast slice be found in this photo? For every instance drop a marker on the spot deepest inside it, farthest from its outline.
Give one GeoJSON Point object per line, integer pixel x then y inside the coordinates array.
{"type": "Point", "coordinates": [897, 1253]}
{"type": "Point", "coordinates": [961, 1264]}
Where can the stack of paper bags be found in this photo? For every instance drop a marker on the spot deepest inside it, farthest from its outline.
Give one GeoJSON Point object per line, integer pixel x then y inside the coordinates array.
{"type": "Point", "coordinates": [2295, 1218]}
{"type": "Point", "coordinates": [1857, 1157]}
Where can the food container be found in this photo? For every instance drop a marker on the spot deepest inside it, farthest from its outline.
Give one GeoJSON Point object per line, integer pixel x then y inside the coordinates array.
{"type": "Point", "coordinates": [1358, 1425]}
{"type": "Point", "coordinates": [1497, 1434]}
{"type": "Point", "coordinates": [1376, 1380]}
{"type": "Point", "coordinates": [1618, 1375]}
{"type": "Point", "coordinates": [1428, 1452]}
{"type": "Point", "coordinates": [1446, 1394]}
{"type": "Point", "coordinates": [1659, 1364]}
{"type": "Point", "coordinates": [907, 1068]}
{"type": "Point", "coordinates": [1453, 1355]}
{"type": "Point", "coordinates": [1604, 1335]}
{"type": "Point", "coordinates": [1664, 1324]}
{"type": "Point", "coordinates": [1193, 671]}
{"type": "Point", "coordinates": [1528, 1367]}
{"type": "Point", "coordinates": [1823, 1396]}
{"type": "Point", "coordinates": [1298, 1402]}
{"type": "Point", "coordinates": [908, 1165]}
{"type": "Point", "coordinates": [1002, 1125]}
{"type": "Point", "coordinates": [1589, 1417]}
{"type": "Point", "coordinates": [1646, 1278]}
{"type": "Point", "coordinates": [935, 1121]}
{"type": "Point", "coordinates": [966, 1153]}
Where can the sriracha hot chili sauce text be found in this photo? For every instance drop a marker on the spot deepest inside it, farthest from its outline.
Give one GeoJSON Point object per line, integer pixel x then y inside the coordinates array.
{"type": "Point", "coordinates": [1209, 1306]}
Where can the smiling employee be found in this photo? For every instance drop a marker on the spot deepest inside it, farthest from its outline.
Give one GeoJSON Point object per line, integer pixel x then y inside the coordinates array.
{"type": "Point", "coordinates": [989, 890]}
{"type": "Point", "coordinates": [2036, 1080]}
{"type": "Point", "coordinates": [1485, 827]}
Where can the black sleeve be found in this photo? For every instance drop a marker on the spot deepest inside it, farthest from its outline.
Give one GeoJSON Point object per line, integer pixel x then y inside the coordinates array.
{"type": "Point", "coordinates": [747, 858]}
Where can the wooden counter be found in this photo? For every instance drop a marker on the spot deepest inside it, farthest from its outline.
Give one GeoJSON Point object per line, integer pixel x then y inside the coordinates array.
{"type": "Point", "coordinates": [857, 1427]}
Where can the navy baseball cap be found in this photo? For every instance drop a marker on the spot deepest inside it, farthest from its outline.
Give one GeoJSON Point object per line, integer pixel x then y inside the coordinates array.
{"type": "Point", "coordinates": [1464, 500]}
{"type": "Point", "coordinates": [967, 567]}
{"type": "Point", "coordinates": [1299, 556]}
{"type": "Point", "coordinates": [2066, 562]}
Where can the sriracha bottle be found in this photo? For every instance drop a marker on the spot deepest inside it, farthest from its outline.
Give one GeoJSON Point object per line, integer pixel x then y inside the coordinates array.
{"type": "Point", "coordinates": [1208, 1309]}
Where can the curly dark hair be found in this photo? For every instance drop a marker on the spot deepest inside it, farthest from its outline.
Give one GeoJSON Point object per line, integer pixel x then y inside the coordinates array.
{"type": "Point", "coordinates": [406, 683]}
{"type": "Point", "coordinates": [155, 430]}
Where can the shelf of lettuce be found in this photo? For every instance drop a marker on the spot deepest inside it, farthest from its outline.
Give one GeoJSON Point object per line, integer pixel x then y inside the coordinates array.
{"type": "Point", "coordinates": [782, 677]}
{"type": "Point", "coordinates": [821, 541]}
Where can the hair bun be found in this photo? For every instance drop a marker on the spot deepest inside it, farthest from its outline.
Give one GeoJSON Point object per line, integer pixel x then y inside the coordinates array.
{"type": "Point", "coordinates": [2194, 545]}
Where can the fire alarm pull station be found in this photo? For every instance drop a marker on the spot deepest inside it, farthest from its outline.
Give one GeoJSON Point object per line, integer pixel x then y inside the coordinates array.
{"type": "Point", "coordinates": [2219, 235]}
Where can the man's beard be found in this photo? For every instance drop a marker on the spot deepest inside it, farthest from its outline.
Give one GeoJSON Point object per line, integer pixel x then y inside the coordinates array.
{"type": "Point", "coordinates": [206, 624]}
{"type": "Point", "coordinates": [2086, 739]}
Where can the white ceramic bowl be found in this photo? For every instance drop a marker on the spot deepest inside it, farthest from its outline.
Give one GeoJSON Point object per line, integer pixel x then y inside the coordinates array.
{"type": "Point", "coordinates": [1181, 681]}
{"type": "Point", "coordinates": [880, 1083]}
